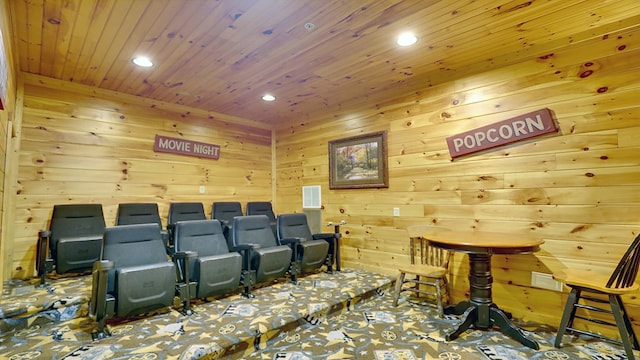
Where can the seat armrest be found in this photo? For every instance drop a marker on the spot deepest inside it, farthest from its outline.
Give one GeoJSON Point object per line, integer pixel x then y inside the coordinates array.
{"type": "Point", "coordinates": [291, 241]}
{"type": "Point", "coordinates": [185, 288]}
{"type": "Point", "coordinates": [103, 265]}
{"type": "Point", "coordinates": [44, 264]}
{"type": "Point", "coordinates": [165, 237]}
{"type": "Point", "coordinates": [182, 259]}
{"type": "Point", "coordinates": [98, 303]}
{"type": "Point", "coordinates": [245, 247]}
{"type": "Point", "coordinates": [182, 255]}
{"type": "Point", "coordinates": [246, 251]}
{"type": "Point", "coordinates": [325, 236]}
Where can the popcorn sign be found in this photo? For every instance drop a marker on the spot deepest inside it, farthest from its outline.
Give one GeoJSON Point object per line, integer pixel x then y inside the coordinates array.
{"type": "Point", "coordinates": [505, 132]}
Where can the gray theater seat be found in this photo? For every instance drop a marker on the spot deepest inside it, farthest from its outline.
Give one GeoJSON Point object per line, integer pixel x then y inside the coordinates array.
{"type": "Point", "coordinates": [133, 276]}
{"type": "Point", "coordinates": [310, 251]}
{"type": "Point", "coordinates": [264, 258]}
{"type": "Point", "coordinates": [74, 239]}
{"type": "Point", "coordinates": [215, 270]}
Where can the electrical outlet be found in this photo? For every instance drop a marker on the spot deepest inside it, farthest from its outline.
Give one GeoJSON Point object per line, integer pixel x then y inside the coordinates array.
{"type": "Point", "coordinates": [545, 281]}
{"type": "Point", "coordinates": [202, 189]}
{"type": "Point", "coordinates": [396, 211]}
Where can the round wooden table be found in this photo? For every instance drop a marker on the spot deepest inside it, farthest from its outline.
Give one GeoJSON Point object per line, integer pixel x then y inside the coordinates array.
{"type": "Point", "coordinates": [479, 311]}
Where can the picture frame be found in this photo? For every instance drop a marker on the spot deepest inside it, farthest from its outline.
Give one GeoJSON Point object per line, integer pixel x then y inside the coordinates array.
{"type": "Point", "coordinates": [359, 162]}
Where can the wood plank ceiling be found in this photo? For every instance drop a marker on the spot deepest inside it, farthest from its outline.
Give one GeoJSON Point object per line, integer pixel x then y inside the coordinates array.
{"type": "Point", "coordinates": [315, 56]}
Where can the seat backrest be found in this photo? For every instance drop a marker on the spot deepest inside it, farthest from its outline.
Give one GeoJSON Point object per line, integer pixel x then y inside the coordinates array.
{"type": "Point", "coordinates": [138, 213]}
{"type": "Point", "coordinates": [76, 220]}
{"type": "Point", "coordinates": [253, 229]}
{"type": "Point", "coordinates": [133, 245]}
{"type": "Point", "coordinates": [423, 253]}
{"type": "Point", "coordinates": [182, 211]}
{"type": "Point", "coordinates": [627, 270]}
{"type": "Point", "coordinates": [202, 236]}
{"type": "Point", "coordinates": [261, 208]}
{"type": "Point", "coordinates": [293, 226]}
{"type": "Point", "coordinates": [225, 211]}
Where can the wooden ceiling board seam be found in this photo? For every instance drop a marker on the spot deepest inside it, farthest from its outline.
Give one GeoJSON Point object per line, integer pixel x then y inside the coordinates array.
{"type": "Point", "coordinates": [262, 70]}
{"type": "Point", "coordinates": [117, 48]}
{"type": "Point", "coordinates": [100, 14]}
{"type": "Point", "coordinates": [159, 89]}
{"type": "Point", "coordinates": [78, 37]}
{"type": "Point", "coordinates": [98, 52]}
{"type": "Point", "coordinates": [169, 45]}
{"type": "Point", "coordinates": [21, 26]}
{"type": "Point", "coordinates": [65, 36]}
{"type": "Point", "coordinates": [35, 11]}
{"type": "Point", "coordinates": [152, 21]}
{"type": "Point", "coordinates": [51, 28]}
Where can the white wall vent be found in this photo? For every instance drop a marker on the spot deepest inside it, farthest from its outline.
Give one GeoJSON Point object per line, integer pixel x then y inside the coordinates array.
{"type": "Point", "coordinates": [311, 198]}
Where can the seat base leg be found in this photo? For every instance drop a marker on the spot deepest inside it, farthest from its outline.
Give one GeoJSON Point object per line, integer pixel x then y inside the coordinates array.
{"type": "Point", "coordinates": [247, 294]}
{"type": "Point", "coordinates": [186, 310]}
{"type": "Point", "coordinates": [100, 334]}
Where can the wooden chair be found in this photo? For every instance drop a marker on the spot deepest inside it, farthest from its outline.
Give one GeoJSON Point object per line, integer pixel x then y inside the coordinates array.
{"type": "Point", "coordinates": [428, 269]}
{"type": "Point", "coordinates": [621, 282]}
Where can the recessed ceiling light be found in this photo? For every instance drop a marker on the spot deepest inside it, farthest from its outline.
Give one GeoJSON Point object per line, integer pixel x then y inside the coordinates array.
{"type": "Point", "coordinates": [406, 39]}
{"type": "Point", "coordinates": [268, 97]}
{"type": "Point", "coordinates": [142, 61]}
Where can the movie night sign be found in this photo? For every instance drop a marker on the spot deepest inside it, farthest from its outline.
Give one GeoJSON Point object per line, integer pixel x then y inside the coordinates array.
{"type": "Point", "coordinates": [535, 123]}
{"type": "Point", "coordinates": [186, 147]}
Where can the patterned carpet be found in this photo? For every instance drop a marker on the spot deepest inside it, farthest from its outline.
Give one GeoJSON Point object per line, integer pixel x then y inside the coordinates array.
{"type": "Point", "coordinates": [347, 315]}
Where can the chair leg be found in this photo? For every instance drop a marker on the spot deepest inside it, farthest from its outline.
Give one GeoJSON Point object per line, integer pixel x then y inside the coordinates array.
{"type": "Point", "coordinates": [439, 298]}
{"type": "Point", "coordinates": [447, 289]}
{"type": "Point", "coordinates": [399, 282]}
{"type": "Point", "coordinates": [627, 322]}
{"type": "Point", "coordinates": [622, 322]}
{"type": "Point", "coordinates": [567, 315]}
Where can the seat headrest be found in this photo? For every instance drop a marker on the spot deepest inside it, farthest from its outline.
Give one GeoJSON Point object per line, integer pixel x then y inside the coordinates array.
{"type": "Point", "coordinates": [197, 228]}
{"type": "Point", "coordinates": [132, 233]}
{"type": "Point", "coordinates": [298, 219]}
{"type": "Point", "coordinates": [77, 211]}
{"type": "Point", "coordinates": [251, 222]}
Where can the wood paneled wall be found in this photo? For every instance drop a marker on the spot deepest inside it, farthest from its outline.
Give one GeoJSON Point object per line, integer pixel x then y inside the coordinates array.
{"type": "Point", "coordinates": [579, 190]}
{"type": "Point", "coordinates": [9, 140]}
{"type": "Point", "coordinates": [82, 145]}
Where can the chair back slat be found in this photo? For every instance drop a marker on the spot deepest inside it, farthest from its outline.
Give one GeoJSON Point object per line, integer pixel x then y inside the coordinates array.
{"type": "Point", "coordinates": [421, 252]}
{"type": "Point", "coordinates": [627, 270]}
{"type": "Point", "coordinates": [631, 269]}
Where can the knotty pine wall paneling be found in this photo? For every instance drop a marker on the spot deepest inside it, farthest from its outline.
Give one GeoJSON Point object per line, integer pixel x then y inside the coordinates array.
{"type": "Point", "coordinates": [9, 142]}
{"type": "Point", "coordinates": [579, 189]}
{"type": "Point", "coordinates": [82, 145]}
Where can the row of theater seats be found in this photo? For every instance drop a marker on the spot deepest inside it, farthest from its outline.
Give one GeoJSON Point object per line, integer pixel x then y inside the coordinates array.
{"type": "Point", "coordinates": [138, 267]}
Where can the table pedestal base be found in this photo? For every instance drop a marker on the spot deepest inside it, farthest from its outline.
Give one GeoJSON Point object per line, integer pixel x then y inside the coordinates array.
{"type": "Point", "coordinates": [475, 315]}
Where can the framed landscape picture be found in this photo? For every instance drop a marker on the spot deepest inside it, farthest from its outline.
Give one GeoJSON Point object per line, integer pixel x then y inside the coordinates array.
{"type": "Point", "coordinates": [359, 162]}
